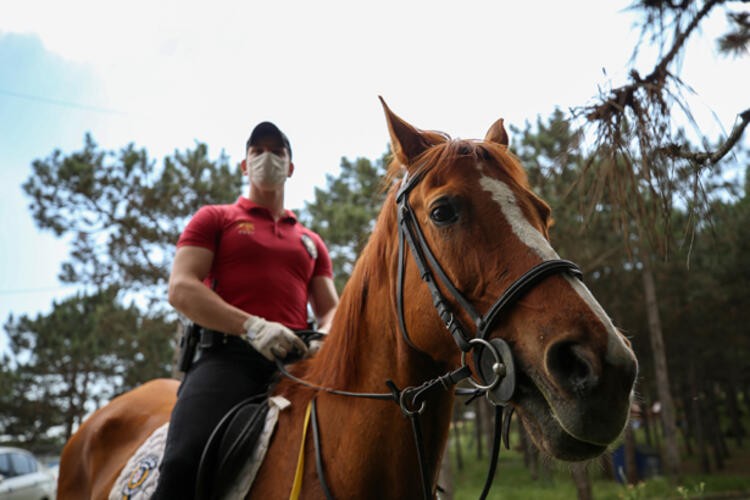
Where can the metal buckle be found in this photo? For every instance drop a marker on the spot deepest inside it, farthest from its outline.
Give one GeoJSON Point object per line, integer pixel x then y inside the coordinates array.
{"type": "Point", "coordinates": [498, 367]}
{"type": "Point", "coordinates": [403, 403]}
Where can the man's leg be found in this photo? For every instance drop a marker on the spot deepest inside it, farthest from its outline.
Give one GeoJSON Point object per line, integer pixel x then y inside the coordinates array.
{"type": "Point", "coordinates": [215, 383]}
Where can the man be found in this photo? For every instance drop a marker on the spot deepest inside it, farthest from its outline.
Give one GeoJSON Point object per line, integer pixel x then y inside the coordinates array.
{"type": "Point", "coordinates": [245, 272]}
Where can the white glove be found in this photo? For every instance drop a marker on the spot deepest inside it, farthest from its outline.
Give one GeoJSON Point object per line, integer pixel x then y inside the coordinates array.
{"type": "Point", "coordinates": [314, 347]}
{"type": "Point", "coordinates": [272, 339]}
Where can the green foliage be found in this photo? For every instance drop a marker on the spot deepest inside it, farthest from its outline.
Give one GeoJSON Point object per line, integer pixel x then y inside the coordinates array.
{"type": "Point", "coordinates": [86, 350]}
{"type": "Point", "coordinates": [514, 481]}
{"type": "Point", "coordinates": [122, 213]}
{"type": "Point", "coordinates": [344, 212]}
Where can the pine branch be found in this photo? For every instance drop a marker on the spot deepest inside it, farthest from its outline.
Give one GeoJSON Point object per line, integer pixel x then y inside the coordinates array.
{"type": "Point", "coordinates": [624, 96]}
{"type": "Point", "coordinates": [711, 158]}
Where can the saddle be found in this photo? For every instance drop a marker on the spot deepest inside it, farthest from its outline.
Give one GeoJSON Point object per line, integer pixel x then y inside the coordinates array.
{"type": "Point", "coordinates": [235, 437]}
{"type": "Point", "coordinates": [231, 442]}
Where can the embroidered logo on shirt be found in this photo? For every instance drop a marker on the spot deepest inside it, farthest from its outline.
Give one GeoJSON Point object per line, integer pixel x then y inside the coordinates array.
{"type": "Point", "coordinates": [310, 246]}
{"type": "Point", "coordinates": [245, 228]}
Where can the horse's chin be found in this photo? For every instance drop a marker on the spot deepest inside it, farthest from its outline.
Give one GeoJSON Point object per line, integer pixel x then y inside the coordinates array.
{"type": "Point", "coordinates": [545, 429]}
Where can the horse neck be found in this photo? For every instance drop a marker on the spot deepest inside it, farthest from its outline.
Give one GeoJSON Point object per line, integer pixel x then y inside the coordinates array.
{"type": "Point", "coordinates": [364, 350]}
{"type": "Point", "coordinates": [365, 346]}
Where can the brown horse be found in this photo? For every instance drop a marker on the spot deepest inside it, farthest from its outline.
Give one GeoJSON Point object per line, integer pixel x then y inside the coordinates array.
{"type": "Point", "coordinates": [472, 203]}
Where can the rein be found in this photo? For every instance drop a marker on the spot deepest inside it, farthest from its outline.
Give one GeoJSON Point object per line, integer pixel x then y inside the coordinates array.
{"type": "Point", "coordinates": [498, 368]}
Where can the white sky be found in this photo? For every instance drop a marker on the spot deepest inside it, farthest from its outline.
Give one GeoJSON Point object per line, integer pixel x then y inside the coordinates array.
{"type": "Point", "coordinates": [164, 74]}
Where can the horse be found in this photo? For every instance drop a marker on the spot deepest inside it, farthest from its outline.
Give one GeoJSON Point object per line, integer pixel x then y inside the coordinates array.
{"type": "Point", "coordinates": [463, 210]}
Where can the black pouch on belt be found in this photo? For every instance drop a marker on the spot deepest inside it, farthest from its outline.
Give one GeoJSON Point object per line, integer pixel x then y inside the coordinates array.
{"type": "Point", "coordinates": [188, 344]}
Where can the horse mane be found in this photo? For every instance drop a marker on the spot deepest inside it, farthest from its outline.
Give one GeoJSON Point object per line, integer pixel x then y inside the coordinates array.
{"type": "Point", "coordinates": [336, 365]}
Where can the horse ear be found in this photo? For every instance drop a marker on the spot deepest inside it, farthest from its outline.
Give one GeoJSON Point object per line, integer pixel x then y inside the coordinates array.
{"type": "Point", "coordinates": [497, 134]}
{"type": "Point", "coordinates": [407, 141]}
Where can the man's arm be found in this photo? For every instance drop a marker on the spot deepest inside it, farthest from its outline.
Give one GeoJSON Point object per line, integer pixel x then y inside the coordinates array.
{"type": "Point", "coordinates": [189, 295]}
{"type": "Point", "coordinates": [324, 300]}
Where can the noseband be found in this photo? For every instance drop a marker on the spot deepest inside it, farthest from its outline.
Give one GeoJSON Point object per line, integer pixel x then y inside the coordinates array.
{"type": "Point", "coordinates": [499, 374]}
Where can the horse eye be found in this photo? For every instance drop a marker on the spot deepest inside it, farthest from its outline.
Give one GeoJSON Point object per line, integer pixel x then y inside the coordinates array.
{"type": "Point", "coordinates": [443, 213]}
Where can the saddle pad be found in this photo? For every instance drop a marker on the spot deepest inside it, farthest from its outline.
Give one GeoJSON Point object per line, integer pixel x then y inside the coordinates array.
{"type": "Point", "coordinates": [139, 477]}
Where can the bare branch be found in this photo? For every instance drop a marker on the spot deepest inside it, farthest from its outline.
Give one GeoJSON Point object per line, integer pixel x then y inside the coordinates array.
{"type": "Point", "coordinates": [623, 97]}
{"type": "Point", "coordinates": [711, 158]}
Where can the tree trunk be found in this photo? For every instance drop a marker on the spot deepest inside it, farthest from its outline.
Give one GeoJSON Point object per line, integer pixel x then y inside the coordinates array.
{"type": "Point", "coordinates": [605, 464]}
{"type": "Point", "coordinates": [733, 408]}
{"type": "Point", "coordinates": [530, 453]}
{"type": "Point", "coordinates": [714, 426]}
{"type": "Point", "coordinates": [671, 447]}
{"type": "Point", "coordinates": [646, 420]}
{"type": "Point", "coordinates": [697, 424]}
{"type": "Point", "coordinates": [631, 467]}
{"type": "Point", "coordinates": [688, 430]}
{"type": "Point", "coordinates": [457, 440]}
{"type": "Point", "coordinates": [581, 480]}
{"type": "Point", "coordinates": [546, 475]}
{"type": "Point", "coordinates": [479, 427]}
{"type": "Point", "coordinates": [446, 477]}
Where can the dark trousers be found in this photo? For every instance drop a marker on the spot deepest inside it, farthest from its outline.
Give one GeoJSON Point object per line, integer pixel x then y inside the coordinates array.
{"type": "Point", "coordinates": [224, 375]}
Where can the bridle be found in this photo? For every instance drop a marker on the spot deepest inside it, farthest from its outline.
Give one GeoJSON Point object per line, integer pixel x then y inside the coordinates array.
{"type": "Point", "coordinates": [496, 370]}
{"type": "Point", "coordinates": [501, 373]}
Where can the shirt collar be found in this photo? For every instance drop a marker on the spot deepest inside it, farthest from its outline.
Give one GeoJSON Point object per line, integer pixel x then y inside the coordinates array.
{"type": "Point", "coordinates": [249, 205]}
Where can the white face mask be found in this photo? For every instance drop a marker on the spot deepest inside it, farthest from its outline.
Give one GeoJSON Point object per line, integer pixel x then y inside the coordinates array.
{"type": "Point", "coordinates": [268, 171]}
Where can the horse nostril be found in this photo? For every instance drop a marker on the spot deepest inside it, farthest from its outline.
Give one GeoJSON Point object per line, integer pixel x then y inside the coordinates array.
{"type": "Point", "coordinates": [570, 366]}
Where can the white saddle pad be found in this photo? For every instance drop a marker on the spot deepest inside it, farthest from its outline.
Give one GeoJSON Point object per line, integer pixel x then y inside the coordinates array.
{"type": "Point", "coordinates": [139, 477]}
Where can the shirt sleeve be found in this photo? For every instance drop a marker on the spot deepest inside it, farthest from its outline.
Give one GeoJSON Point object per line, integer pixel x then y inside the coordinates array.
{"type": "Point", "coordinates": [323, 266]}
{"type": "Point", "coordinates": [203, 230]}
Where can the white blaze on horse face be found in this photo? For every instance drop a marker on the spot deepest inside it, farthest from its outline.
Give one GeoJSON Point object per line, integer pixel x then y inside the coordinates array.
{"type": "Point", "coordinates": [617, 351]}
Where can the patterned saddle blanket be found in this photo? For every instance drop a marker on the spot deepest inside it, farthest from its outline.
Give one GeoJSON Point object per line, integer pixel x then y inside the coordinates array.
{"type": "Point", "coordinates": [235, 448]}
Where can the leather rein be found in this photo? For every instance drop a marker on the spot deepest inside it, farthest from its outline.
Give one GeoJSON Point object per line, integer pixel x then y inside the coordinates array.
{"type": "Point", "coordinates": [496, 371]}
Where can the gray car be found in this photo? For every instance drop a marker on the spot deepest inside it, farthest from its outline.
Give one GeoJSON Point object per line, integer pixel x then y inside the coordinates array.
{"type": "Point", "coordinates": [23, 477]}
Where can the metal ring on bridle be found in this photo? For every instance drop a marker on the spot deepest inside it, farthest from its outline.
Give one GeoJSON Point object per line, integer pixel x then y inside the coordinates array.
{"type": "Point", "coordinates": [498, 362]}
{"type": "Point", "coordinates": [403, 403]}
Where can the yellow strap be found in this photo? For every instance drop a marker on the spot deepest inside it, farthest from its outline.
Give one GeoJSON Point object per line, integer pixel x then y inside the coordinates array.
{"type": "Point", "coordinates": [297, 485]}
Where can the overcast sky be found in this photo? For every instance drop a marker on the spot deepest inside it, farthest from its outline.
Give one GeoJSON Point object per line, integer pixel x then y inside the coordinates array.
{"type": "Point", "coordinates": [165, 74]}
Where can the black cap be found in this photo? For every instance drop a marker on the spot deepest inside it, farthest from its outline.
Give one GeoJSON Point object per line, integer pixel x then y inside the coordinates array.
{"type": "Point", "coordinates": [264, 129]}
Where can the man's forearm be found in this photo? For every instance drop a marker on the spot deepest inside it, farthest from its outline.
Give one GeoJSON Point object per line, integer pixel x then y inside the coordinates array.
{"type": "Point", "coordinates": [205, 307]}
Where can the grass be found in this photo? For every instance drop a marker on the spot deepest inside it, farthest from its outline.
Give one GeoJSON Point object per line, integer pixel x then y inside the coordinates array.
{"type": "Point", "coordinates": [513, 480]}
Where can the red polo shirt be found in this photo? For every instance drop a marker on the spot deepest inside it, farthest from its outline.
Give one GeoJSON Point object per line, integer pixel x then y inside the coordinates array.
{"type": "Point", "coordinates": [261, 266]}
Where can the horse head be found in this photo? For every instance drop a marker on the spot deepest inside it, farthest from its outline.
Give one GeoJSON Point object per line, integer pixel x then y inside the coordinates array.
{"type": "Point", "coordinates": [475, 214]}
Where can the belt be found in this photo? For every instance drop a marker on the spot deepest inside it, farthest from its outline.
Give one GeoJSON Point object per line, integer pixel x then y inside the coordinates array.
{"type": "Point", "coordinates": [212, 338]}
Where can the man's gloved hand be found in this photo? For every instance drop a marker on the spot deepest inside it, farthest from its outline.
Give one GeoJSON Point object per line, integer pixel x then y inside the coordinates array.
{"type": "Point", "coordinates": [272, 339]}
{"type": "Point", "coordinates": [315, 346]}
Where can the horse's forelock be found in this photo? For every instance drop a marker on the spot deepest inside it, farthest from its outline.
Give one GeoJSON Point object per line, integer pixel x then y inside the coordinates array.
{"type": "Point", "coordinates": [447, 151]}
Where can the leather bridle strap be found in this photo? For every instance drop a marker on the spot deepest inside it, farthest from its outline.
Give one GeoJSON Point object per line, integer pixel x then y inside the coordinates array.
{"type": "Point", "coordinates": [411, 400]}
{"type": "Point", "coordinates": [318, 456]}
{"type": "Point", "coordinates": [503, 415]}
{"type": "Point", "coordinates": [522, 285]}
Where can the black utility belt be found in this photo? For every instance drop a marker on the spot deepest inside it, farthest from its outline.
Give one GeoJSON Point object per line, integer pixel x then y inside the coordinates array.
{"type": "Point", "coordinates": [211, 338]}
